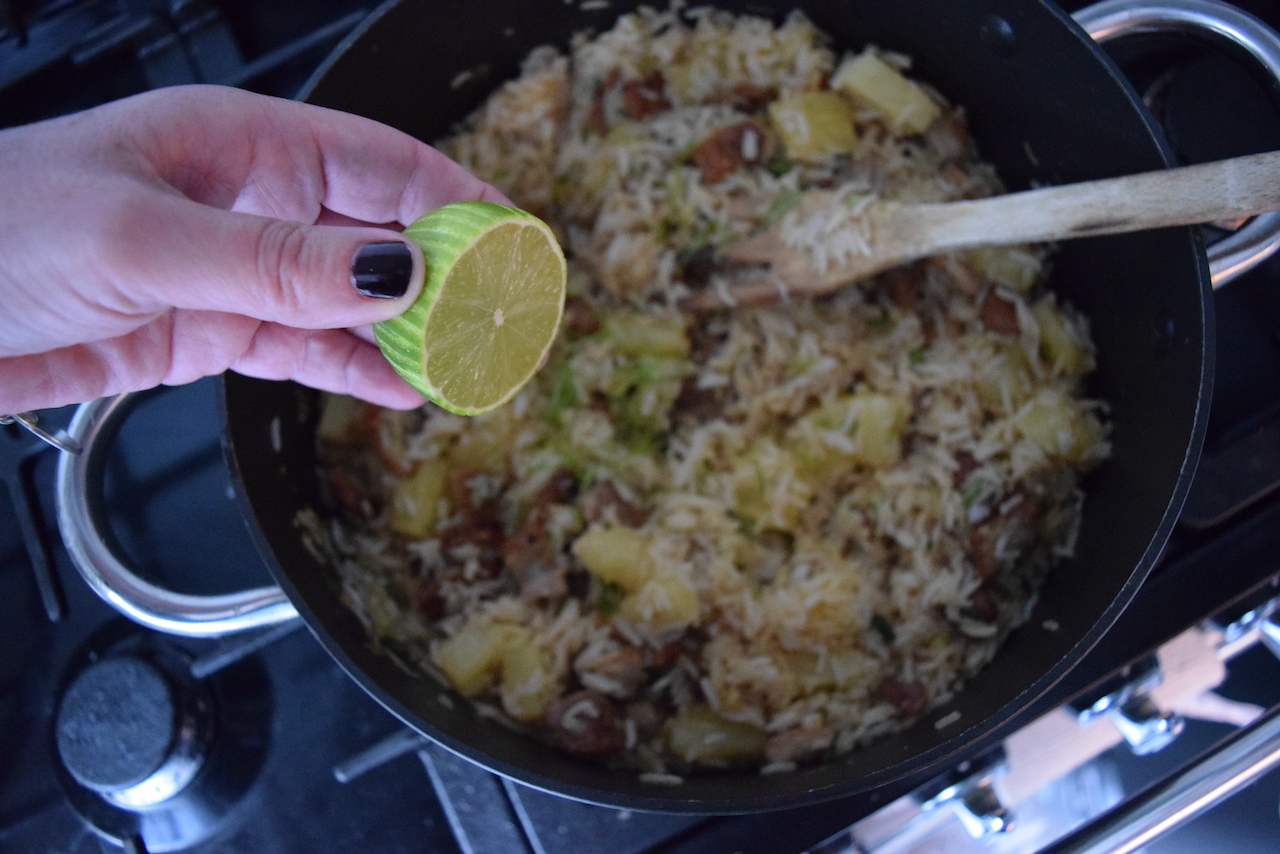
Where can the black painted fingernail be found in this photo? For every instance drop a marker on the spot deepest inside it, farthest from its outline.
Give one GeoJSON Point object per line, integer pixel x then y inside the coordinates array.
{"type": "Point", "coordinates": [382, 270]}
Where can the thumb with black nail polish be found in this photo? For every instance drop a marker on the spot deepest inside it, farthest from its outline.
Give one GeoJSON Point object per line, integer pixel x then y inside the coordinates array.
{"type": "Point", "coordinates": [382, 270]}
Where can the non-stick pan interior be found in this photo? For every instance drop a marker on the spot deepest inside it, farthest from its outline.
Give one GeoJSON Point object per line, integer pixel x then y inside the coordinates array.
{"type": "Point", "coordinates": [1045, 106]}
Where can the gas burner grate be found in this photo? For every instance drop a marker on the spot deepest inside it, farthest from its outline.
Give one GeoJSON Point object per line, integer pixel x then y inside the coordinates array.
{"type": "Point", "coordinates": [60, 57]}
{"type": "Point", "coordinates": [18, 449]}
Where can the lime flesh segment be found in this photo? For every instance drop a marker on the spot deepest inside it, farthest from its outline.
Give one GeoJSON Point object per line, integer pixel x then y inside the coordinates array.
{"type": "Point", "coordinates": [489, 309]}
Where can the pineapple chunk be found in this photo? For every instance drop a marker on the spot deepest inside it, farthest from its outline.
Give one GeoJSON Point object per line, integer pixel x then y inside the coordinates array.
{"type": "Point", "coordinates": [625, 132]}
{"type": "Point", "coordinates": [865, 427]}
{"type": "Point", "coordinates": [528, 682]}
{"type": "Point", "coordinates": [814, 125]}
{"type": "Point", "coordinates": [838, 668]}
{"type": "Point", "coordinates": [617, 554]}
{"type": "Point", "coordinates": [1060, 343]}
{"type": "Point", "coordinates": [847, 668]}
{"type": "Point", "coordinates": [664, 602]}
{"type": "Point", "coordinates": [1060, 426]}
{"type": "Point", "coordinates": [645, 334]}
{"type": "Point", "coordinates": [484, 654]}
{"type": "Point", "coordinates": [472, 658]}
{"type": "Point", "coordinates": [416, 504]}
{"type": "Point", "coordinates": [699, 735]}
{"type": "Point", "coordinates": [1015, 267]}
{"type": "Point", "coordinates": [1005, 383]}
{"type": "Point", "coordinates": [767, 489]}
{"type": "Point", "coordinates": [869, 78]}
{"type": "Point", "coordinates": [336, 415]}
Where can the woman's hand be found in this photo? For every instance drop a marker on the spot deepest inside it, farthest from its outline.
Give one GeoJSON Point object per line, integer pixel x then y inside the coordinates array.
{"type": "Point", "coordinates": [179, 233]}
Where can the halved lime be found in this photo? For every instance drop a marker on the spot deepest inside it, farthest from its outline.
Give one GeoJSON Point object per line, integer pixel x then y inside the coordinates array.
{"type": "Point", "coordinates": [489, 309]}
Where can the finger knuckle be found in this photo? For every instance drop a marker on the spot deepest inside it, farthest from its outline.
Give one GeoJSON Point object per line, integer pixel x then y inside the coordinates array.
{"type": "Point", "coordinates": [282, 260]}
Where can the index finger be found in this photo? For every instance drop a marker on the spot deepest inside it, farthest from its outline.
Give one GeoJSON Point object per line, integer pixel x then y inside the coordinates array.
{"type": "Point", "coordinates": [284, 159]}
{"type": "Point", "coordinates": [377, 174]}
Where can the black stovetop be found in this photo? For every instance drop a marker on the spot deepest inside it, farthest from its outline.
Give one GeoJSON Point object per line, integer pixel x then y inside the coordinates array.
{"type": "Point", "coordinates": [174, 515]}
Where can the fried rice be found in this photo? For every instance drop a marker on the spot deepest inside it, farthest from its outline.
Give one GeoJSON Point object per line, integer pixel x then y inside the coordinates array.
{"type": "Point", "coordinates": [755, 537]}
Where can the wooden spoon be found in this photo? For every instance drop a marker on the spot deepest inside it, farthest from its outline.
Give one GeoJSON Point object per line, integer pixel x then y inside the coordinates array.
{"type": "Point", "coordinates": [888, 234]}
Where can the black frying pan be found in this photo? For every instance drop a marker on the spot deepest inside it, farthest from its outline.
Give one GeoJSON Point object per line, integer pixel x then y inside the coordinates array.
{"type": "Point", "coordinates": [1045, 105]}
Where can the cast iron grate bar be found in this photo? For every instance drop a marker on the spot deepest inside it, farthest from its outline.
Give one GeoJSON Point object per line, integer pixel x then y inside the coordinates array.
{"type": "Point", "coordinates": [18, 450]}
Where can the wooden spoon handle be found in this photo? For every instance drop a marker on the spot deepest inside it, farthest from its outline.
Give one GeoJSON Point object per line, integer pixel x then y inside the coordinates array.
{"type": "Point", "coordinates": [1241, 186]}
{"type": "Point", "coordinates": [897, 234]}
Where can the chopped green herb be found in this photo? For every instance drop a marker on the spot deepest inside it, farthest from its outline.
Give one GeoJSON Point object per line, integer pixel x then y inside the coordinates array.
{"type": "Point", "coordinates": [970, 493]}
{"type": "Point", "coordinates": [797, 366]}
{"type": "Point", "coordinates": [883, 628]}
{"type": "Point", "coordinates": [884, 322]}
{"type": "Point", "coordinates": [705, 235]}
{"type": "Point", "coordinates": [915, 358]}
{"type": "Point", "coordinates": [682, 156]}
{"type": "Point", "coordinates": [677, 210]}
{"type": "Point", "coordinates": [641, 392]}
{"type": "Point", "coordinates": [854, 199]}
{"type": "Point", "coordinates": [609, 599]}
{"type": "Point", "coordinates": [780, 166]}
{"type": "Point", "coordinates": [563, 394]}
{"type": "Point", "coordinates": [781, 205]}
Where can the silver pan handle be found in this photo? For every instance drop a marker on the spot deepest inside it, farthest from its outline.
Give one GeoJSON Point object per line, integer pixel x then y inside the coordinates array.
{"type": "Point", "coordinates": [80, 520]}
{"type": "Point", "coordinates": [1214, 22]}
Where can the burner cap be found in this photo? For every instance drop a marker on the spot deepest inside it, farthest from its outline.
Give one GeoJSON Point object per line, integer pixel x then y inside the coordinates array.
{"type": "Point", "coordinates": [150, 754]}
{"type": "Point", "coordinates": [116, 724]}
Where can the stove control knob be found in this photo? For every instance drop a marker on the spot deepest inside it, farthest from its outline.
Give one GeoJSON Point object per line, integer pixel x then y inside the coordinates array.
{"type": "Point", "coordinates": [129, 731]}
{"type": "Point", "coordinates": [1144, 727]}
{"type": "Point", "coordinates": [981, 812]}
{"type": "Point", "coordinates": [971, 793]}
